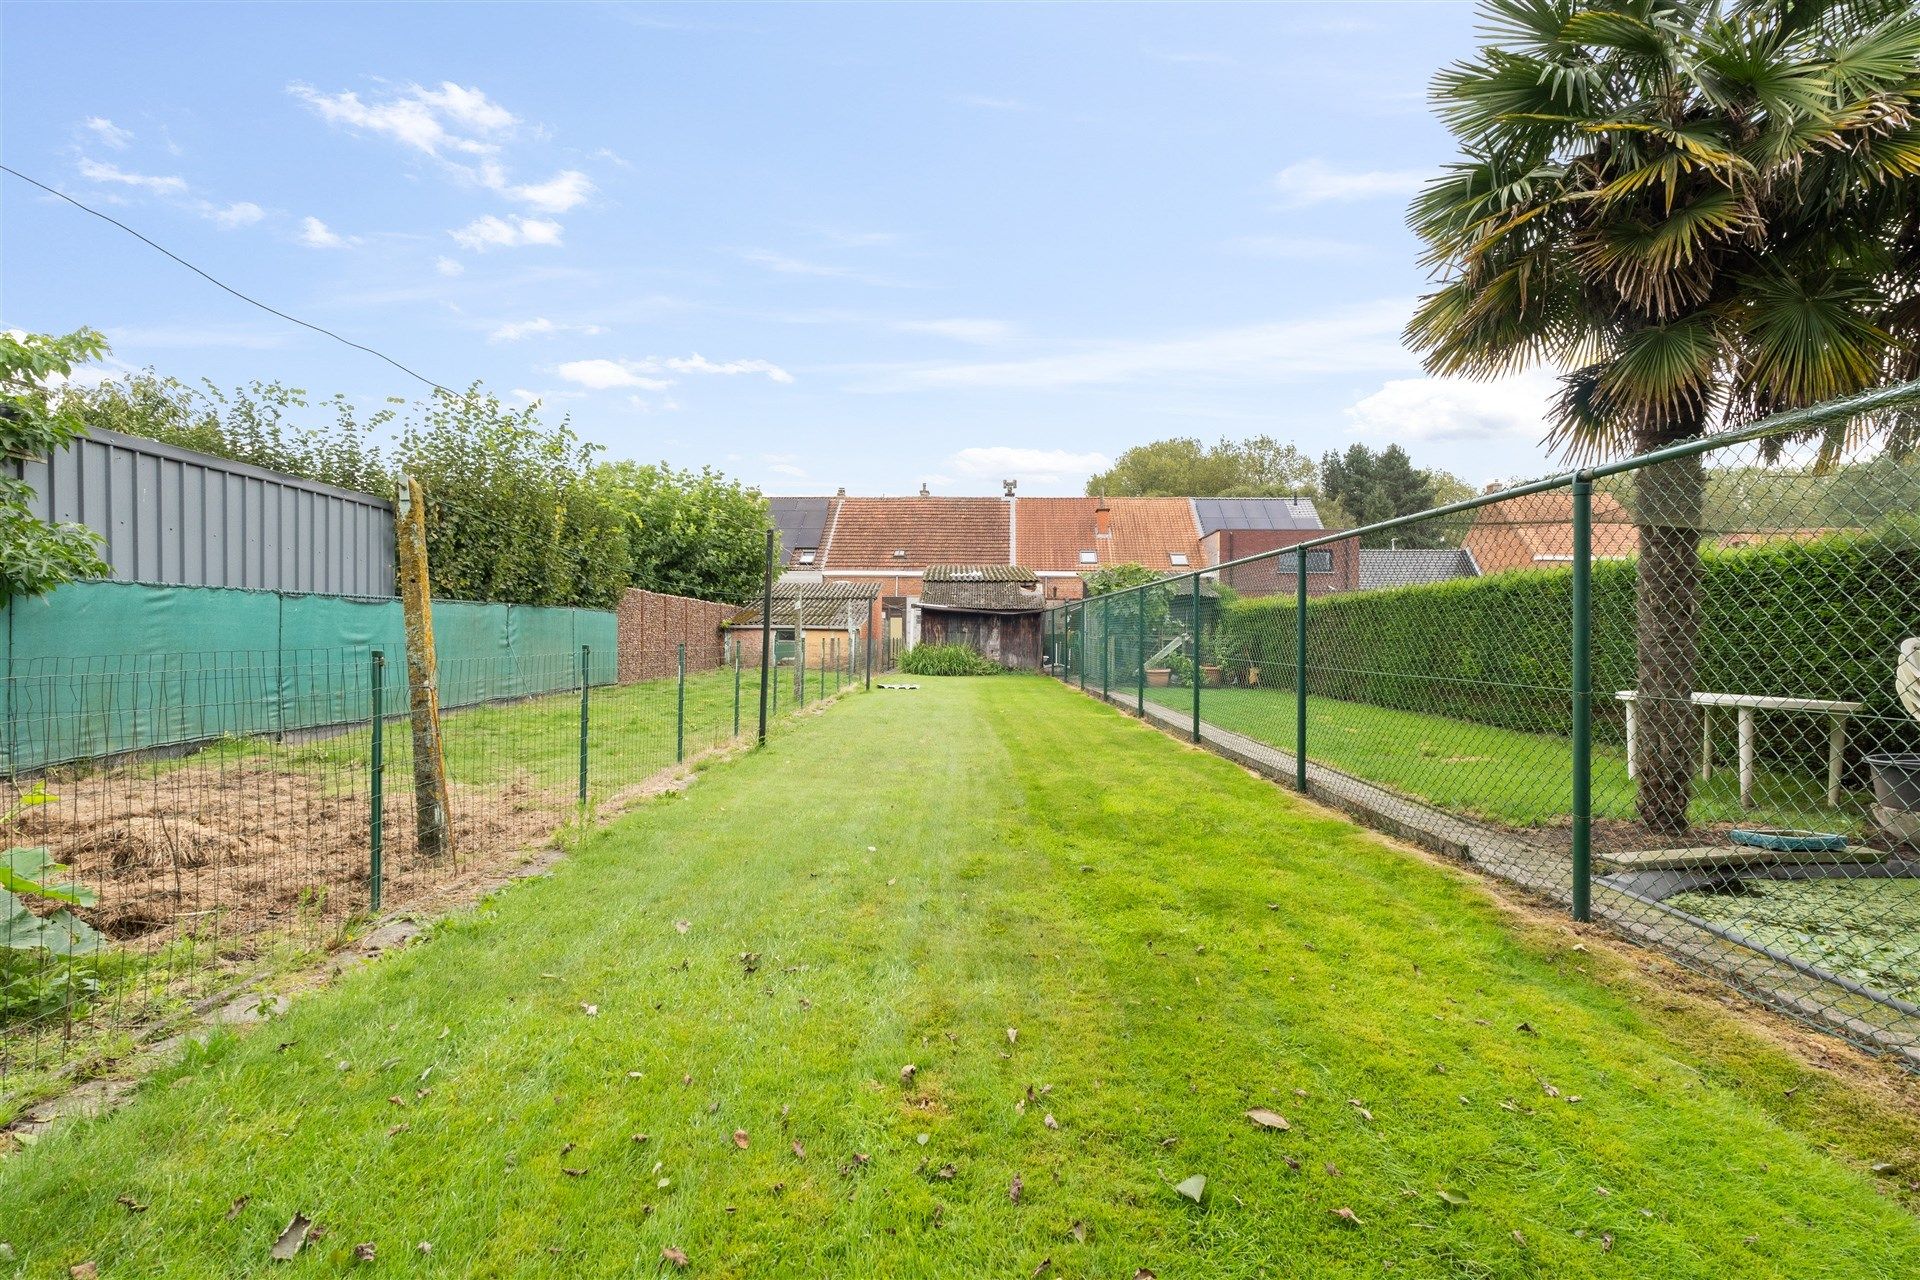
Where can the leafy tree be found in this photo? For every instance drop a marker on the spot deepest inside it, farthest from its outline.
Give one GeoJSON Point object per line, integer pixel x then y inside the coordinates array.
{"type": "Point", "coordinates": [1183, 467]}
{"type": "Point", "coordinates": [691, 533]}
{"type": "Point", "coordinates": [35, 420]}
{"type": "Point", "coordinates": [1118, 577]}
{"type": "Point", "coordinates": [1366, 487]}
{"type": "Point", "coordinates": [1708, 212]}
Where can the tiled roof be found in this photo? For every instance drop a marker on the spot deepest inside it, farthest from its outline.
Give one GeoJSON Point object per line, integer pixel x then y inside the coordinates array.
{"type": "Point", "coordinates": [1396, 568]}
{"type": "Point", "coordinates": [1536, 529]}
{"type": "Point", "coordinates": [979, 573]}
{"type": "Point", "coordinates": [1052, 532]}
{"type": "Point", "coordinates": [866, 532]}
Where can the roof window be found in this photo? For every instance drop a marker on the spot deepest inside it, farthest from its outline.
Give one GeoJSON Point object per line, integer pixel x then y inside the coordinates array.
{"type": "Point", "coordinates": [1089, 557]}
{"type": "Point", "coordinates": [806, 555]}
{"type": "Point", "coordinates": [1179, 558]}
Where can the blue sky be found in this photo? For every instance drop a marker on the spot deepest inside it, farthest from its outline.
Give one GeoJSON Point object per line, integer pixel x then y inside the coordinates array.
{"type": "Point", "coordinates": [814, 246]}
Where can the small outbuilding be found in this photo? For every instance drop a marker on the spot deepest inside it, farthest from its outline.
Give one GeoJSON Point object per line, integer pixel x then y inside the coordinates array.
{"type": "Point", "coordinates": [992, 608]}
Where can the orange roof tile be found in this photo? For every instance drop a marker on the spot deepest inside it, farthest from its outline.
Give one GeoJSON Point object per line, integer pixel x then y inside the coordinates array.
{"type": "Point", "coordinates": [865, 532]}
{"type": "Point", "coordinates": [1052, 532]}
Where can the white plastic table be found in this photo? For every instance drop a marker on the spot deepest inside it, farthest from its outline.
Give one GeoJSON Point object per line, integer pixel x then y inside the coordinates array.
{"type": "Point", "coordinates": [1746, 704]}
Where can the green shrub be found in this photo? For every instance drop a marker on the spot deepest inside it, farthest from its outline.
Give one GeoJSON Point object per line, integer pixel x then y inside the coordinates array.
{"type": "Point", "coordinates": [947, 660]}
{"type": "Point", "coordinates": [1821, 619]}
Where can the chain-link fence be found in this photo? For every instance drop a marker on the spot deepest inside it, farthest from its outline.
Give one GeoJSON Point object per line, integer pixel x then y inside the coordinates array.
{"type": "Point", "coordinates": [1679, 694]}
{"type": "Point", "coordinates": [281, 810]}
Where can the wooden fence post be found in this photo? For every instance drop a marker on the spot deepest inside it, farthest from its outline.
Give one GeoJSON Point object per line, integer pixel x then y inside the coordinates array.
{"type": "Point", "coordinates": [432, 830]}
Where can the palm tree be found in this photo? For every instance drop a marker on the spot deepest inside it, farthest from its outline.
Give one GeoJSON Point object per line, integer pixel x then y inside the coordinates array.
{"type": "Point", "coordinates": [1700, 213]}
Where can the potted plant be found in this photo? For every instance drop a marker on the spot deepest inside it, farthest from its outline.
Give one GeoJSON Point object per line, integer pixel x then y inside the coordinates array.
{"type": "Point", "coordinates": [1159, 677]}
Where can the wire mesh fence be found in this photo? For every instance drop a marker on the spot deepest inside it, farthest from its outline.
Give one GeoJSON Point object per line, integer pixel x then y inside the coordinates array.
{"type": "Point", "coordinates": [1679, 694]}
{"type": "Point", "coordinates": [138, 884]}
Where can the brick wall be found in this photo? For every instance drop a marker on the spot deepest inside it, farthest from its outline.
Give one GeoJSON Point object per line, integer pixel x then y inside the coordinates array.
{"type": "Point", "coordinates": [1276, 575]}
{"type": "Point", "coordinates": [653, 624]}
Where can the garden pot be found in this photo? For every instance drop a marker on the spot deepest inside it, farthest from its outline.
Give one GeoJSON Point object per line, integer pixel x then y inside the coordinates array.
{"type": "Point", "coordinates": [1896, 781]}
{"type": "Point", "coordinates": [1209, 675]}
{"type": "Point", "coordinates": [1159, 677]}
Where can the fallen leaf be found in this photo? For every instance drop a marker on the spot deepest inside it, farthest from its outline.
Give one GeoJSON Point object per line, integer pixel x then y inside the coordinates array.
{"type": "Point", "coordinates": [239, 1203]}
{"type": "Point", "coordinates": [1519, 1239]}
{"type": "Point", "coordinates": [639, 1137]}
{"type": "Point", "coordinates": [1526, 1028]}
{"type": "Point", "coordinates": [1364, 1113]}
{"type": "Point", "coordinates": [1050, 1122]}
{"type": "Point", "coordinates": [923, 1138]}
{"type": "Point", "coordinates": [83, 1271]}
{"type": "Point", "coordinates": [1606, 1242]}
{"type": "Point", "coordinates": [677, 1257]}
{"type": "Point", "coordinates": [907, 1073]}
{"type": "Point", "coordinates": [574, 1173]}
{"type": "Point", "coordinates": [1013, 1034]}
{"type": "Point", "coordinates": [799, 1152]}
{"type": "Point", "coordinates": [681, 926]}
{"type": "Point", "coordinates": [1013, 1190]}
{"type": "Point", "coordinates": [1268, 1119]}
{"type": "Point", "coordinates": [1333, 1170]}
{"type": "Point", "coordinates": [1193, 1188]}
{"type": "Point", "coordinates": [1291, 1163]}
{"type": "Point", "coordinates": [425, 1246]}
{"type": "Point", "coordinates": [1549, 1090]}
{"type": "Point", "coordinates": [740, 1139]}
{"type": "Point", "coordinates": [130, 1204]}
{"type": "Point", "coordinates": [1046, 1264]}
{"type": "Point", "coordinates": [395, 1130]}
{"type": "Point", "coordinates": [945, 1172]}
{"type": "Point", "coordinates": [591, 1010]}
{"type": "Point", "coordinates": [363, 1252]}
{"type": "Point", "coordinates": [1453, 1198]}
{"type": "Point", "coordinates": [1078, 1231]}
{"type": "Point", "coordinates": [1144, 1274]}
{"type": "Point", "coordinates": [1346, 1215]}
{"type": "Point", "coordinates": [397, 1100]}
{"type": "Point", "coordinates": [291, 1238]}
{"type": "Point", "coordinates": [1882, 1168]}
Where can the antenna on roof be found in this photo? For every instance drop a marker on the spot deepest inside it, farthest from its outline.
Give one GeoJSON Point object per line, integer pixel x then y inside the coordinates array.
{"type": "Point", "coordinates": [1009, 486]}
{"type": "Point", "coordinates": [923, 490]}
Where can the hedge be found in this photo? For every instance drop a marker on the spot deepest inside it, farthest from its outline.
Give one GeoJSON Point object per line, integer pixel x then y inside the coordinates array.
{"type": "Point", "coordinates": [1818, 619]}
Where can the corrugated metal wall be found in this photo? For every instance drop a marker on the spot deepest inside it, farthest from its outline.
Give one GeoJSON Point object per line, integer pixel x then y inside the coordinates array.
{"type": "Point", "coordinates": [175, 516]}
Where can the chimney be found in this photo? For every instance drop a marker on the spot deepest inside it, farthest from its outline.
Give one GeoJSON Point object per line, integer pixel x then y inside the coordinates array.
{"type": "Point", "coordinates": [923, 490]}
{"type": "Point", "coordinates": [841, 492]}
{"type": "Point", "coordinates": [1103, 520]}
{"type": "Point", "coordinates": [1009, 486]}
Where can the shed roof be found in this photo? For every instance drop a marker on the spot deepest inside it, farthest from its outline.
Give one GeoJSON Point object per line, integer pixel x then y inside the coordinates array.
{"type": "Point", "coordinates": [980, 573]}
{"type": "Point", "coordinates": [823, 604]}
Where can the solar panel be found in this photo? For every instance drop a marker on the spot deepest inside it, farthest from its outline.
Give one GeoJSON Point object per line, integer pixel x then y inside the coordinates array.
{"type": "Point", "coordinates": [801, 521]}
{"type": "Point", "coordinates": [1255, 513]}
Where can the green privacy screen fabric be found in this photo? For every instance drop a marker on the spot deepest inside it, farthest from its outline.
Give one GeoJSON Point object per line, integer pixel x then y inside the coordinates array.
{"type": "Point", "coordinates": [98, 668]}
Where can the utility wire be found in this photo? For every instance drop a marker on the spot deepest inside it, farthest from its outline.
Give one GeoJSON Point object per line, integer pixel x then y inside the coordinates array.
{"type": "Point", "coordinates": [221, 284]}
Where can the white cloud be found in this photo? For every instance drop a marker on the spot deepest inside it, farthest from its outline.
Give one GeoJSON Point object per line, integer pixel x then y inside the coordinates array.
{"type": "Point", "coordinates": [435, 121]}
{"type": "Point", "coordinates": [641, 404]}
{"type": "Point", "coordinates": [316, 234]}
{"type": "Point", "coordinates": [1044, 467]}
{"type": "Point", "coordinates": [1316, 182]}
{"type": "Point", "coordinates": [109, 133]}
{"type": "Point", "coordinates": [788, 469]}
{"type": "Point", "coordinates": [1434, 410]}
{"type": "Point", "coordinates": [788, 266]}
{"type": "Point", "coordinates": [449, 266]}
{"type": "Point", "coordinates": [981, 332]}
{"type": "Point", "coordinates": [557, 194]}
{"type": "Point", "coordinates": [602, 375]}
{"type": "Point", "coordinates": [242, 213]}
{"type": "Point", "coordinates": [1308, 248]}
{"type": "Point", "coordinates": [515, 330]}
{"type": "Point", "coordinates": [491, 232]}
{"type": "Point", "coordinates": [1361, 339]}
{"type": "Point", "coordinates": [165, 185]}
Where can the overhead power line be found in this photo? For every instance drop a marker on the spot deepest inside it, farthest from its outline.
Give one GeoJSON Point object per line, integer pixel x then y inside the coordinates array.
{"type": "Point", "coordinates": [221, 284]}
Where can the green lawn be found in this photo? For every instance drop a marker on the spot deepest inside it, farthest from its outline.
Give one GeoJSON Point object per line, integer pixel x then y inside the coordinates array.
{"type": "Point", "coordinates": [1097, 948]}
{"type": "Point", "coordinates": [1524, 779]}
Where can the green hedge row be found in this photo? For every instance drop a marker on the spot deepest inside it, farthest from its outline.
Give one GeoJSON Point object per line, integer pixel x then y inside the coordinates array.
{"type": "Point", "coordinates": [1820, 619]}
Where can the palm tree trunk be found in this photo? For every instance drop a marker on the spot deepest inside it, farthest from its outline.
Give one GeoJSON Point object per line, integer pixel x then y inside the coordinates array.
{"type": "Point", "coordinates": [1668, 508]}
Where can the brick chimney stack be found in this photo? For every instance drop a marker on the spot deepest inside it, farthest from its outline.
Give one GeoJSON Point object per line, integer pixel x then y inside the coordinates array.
{"type": "Point", "coordinates": [1103, 520]}
{"type": "Point", "coordinates": [923, 490]}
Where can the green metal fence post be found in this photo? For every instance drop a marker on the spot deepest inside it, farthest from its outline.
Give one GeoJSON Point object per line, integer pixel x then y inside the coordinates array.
{"type": "Point", "coordinates": [1300, 671]}
{"type": "Point", "coordinates": [680, 706]}
{"type": "Point", "coordinates": [1106, 649]}
{"type": "Point", "coordinates": [1582, 700]}
{"type": "Point", "coordinates": [586, 683]}
{"type": "Point", "coordinates": [1196, 657]}
{"type": "Point", "coordinates": [766, 636]}
{"type": "Point", "coordinates": [1140, 651]}
{"type": "Point", "coordinates": [376, 801]}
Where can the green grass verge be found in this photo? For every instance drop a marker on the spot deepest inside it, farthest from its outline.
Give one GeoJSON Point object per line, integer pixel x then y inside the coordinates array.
{"type": "Point", "coordinates": [1522, 779]}
{"type": "Point", "coordinates": [1173, 941]}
